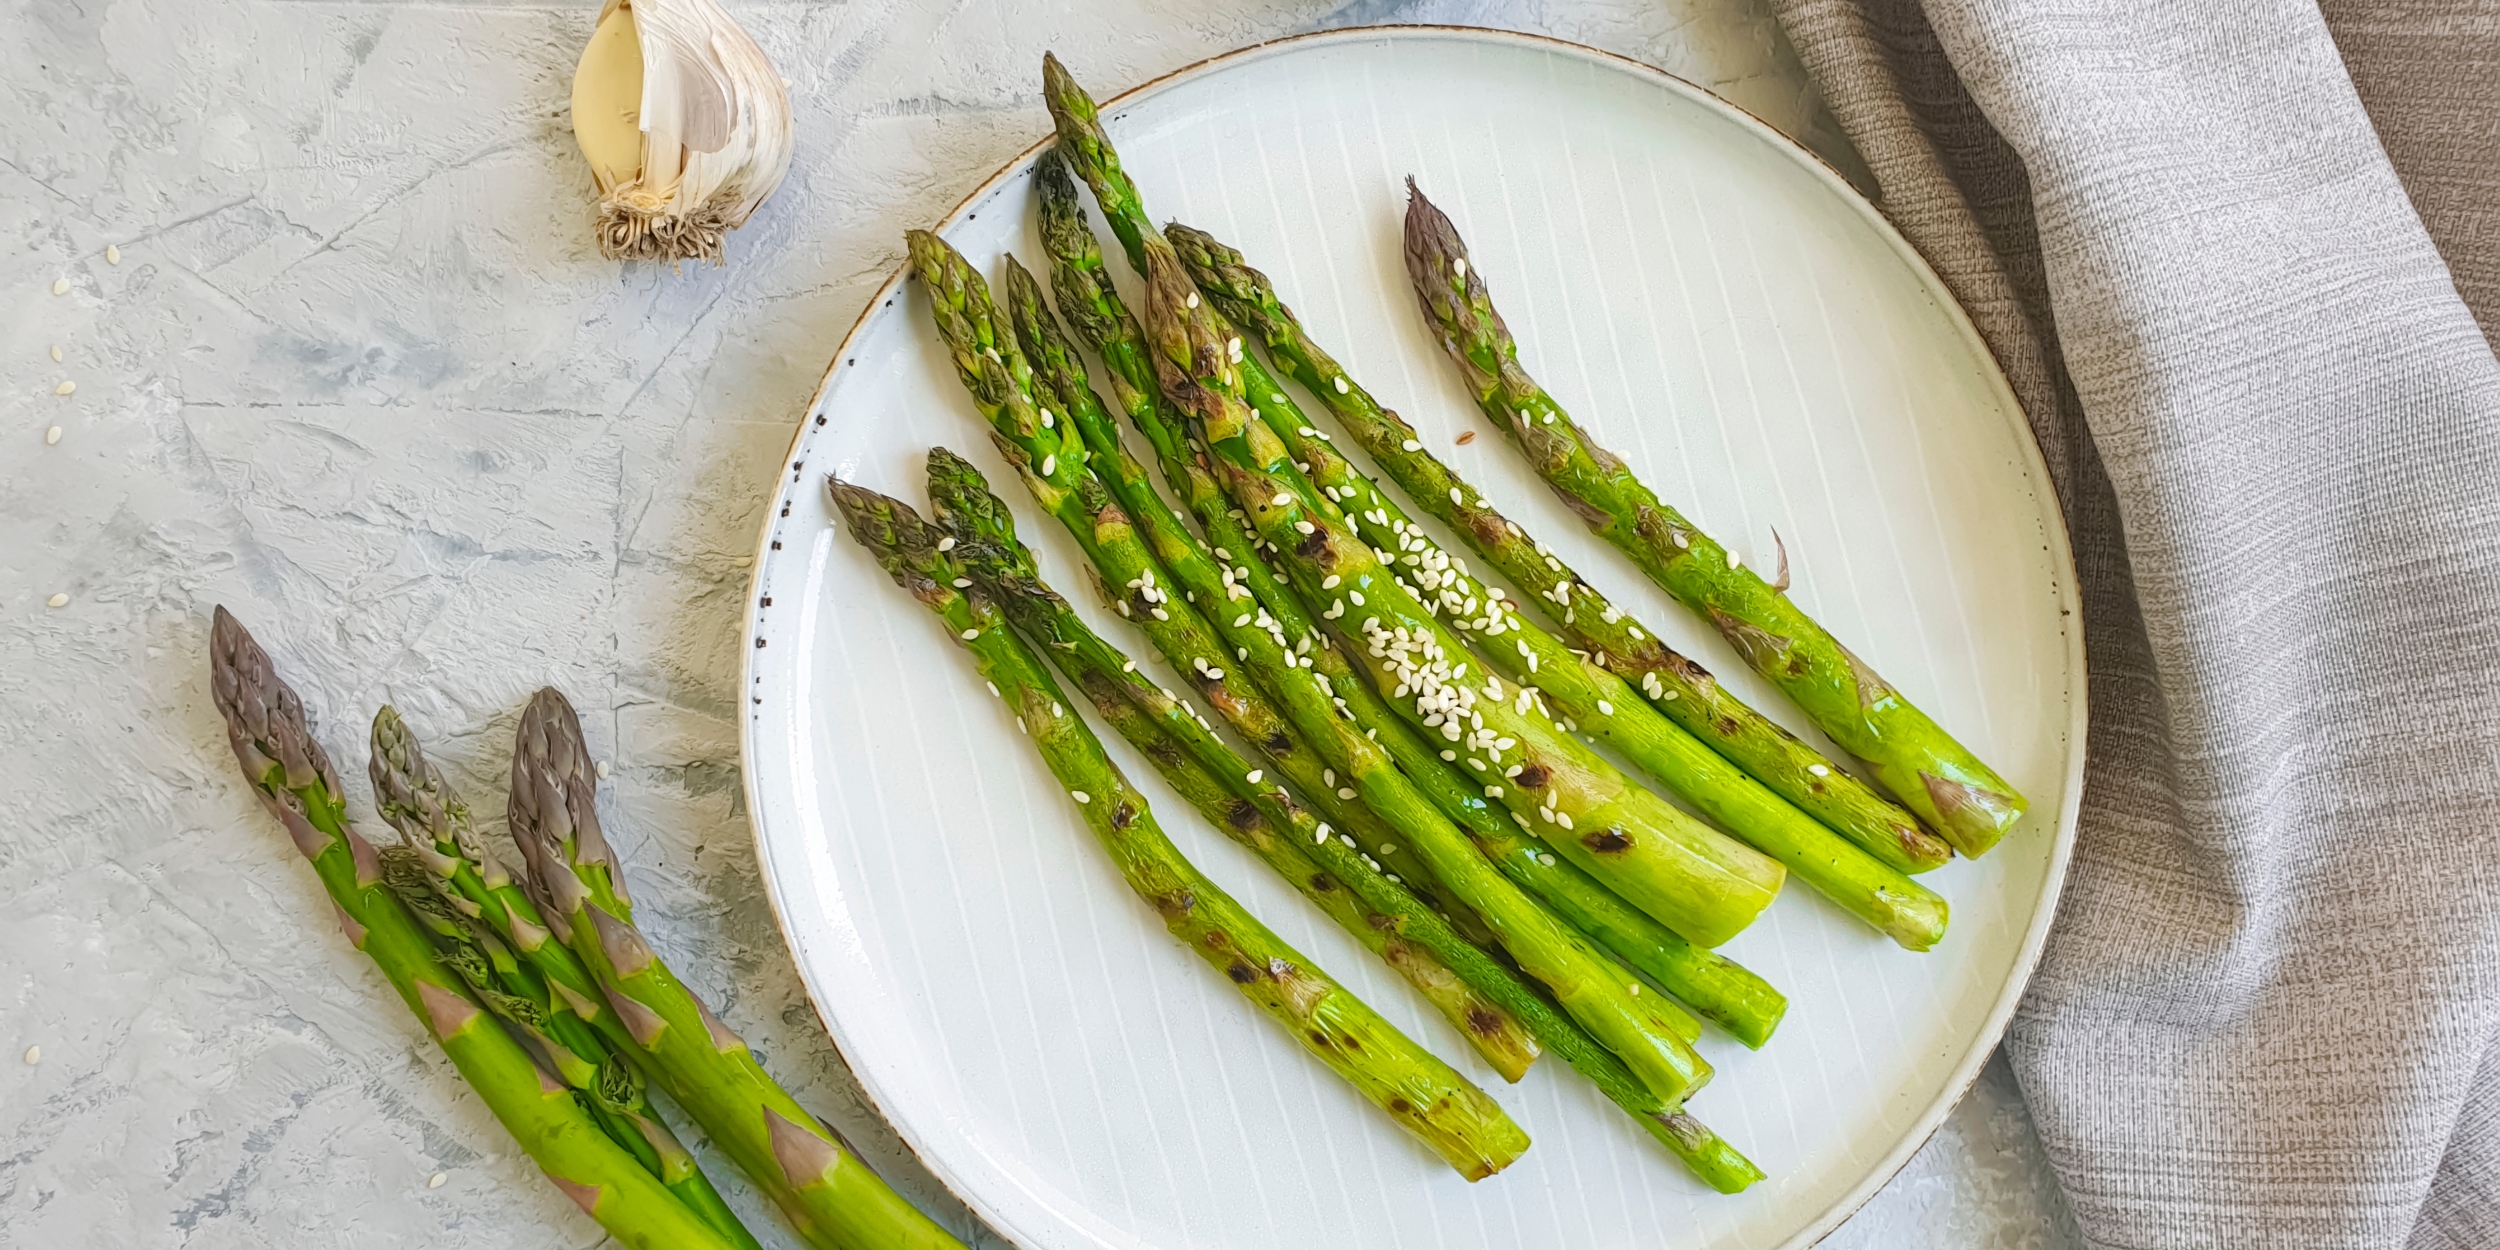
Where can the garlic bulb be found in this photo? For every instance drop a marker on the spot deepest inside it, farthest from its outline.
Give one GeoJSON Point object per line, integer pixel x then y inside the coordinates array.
{"type": "Point", "coordinates": [685, 124]}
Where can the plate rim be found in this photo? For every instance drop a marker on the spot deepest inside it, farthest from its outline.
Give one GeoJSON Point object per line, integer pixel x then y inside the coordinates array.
{"type": "Point", "coordinates": [2052, 885]}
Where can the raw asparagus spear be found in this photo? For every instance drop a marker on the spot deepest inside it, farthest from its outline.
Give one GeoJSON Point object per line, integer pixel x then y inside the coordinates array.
{"type": "Point", "coordinates": [828, 1194]}
{"type": "Point", "coordinates": [273, 743]}
{"type": "Point", "coordinates": [1059, 470]}
{"type": "Point", "coordinates": [1235, 797]}
{"type": "Point", "coordinates": [1423, 1095]}
{"type": "Point", "coordinates": [1701, 883]}
{"type": "Point", "coordinates": [431, 817]}
{"type": "Point", "coordinates": [1677, 686]}
{"type": "Point", "coordinates": [1711, 984]}
{"type": "Point", "coordinates": [1592, 696]}
{"type": "Point", "coordinates": [1911, 756]}
{"type": "Point", "coordinates": [1216, 778]}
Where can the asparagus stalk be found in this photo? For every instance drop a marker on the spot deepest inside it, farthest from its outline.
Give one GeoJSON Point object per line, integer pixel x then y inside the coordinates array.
{"type": "Point", "coordinates": [1234, 796]}
{"type": "Point", "coordinates": [1596, 698]}
{"type": "Point", "coordinates": [1682, 689]}
{"type": "Point", "coordinates": [1712, 985]}
{"type": "Point", "coordinates": [1910, 755]}
{"type": "Point", "coordinates": [1061, 473]}
{"type": "Point", "coordinates": [1216, 779]}
{"type": "Point", "coordinates": [415, 798]}
{"type": "Point", "coordinates": [1699, 882]}
{"type": "Point", "coordinates": [827, 1193]}
{"type": "Point", "coordinates": [272, 740]}
{"type": "Point", "coordinates": [1423, 1095]}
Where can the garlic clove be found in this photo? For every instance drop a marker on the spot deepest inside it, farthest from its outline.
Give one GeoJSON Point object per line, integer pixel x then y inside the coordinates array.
{"type": "Point", "coordinates": [607, 101]}
{"type": "Point", "coordinates": [709, 126]}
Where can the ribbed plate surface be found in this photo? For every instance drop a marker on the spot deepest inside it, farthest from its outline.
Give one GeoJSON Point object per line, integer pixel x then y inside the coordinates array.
{"type": "Point", "coordinates": [1717, 307]}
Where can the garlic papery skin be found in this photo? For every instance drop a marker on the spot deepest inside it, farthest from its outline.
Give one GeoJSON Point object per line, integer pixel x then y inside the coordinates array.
{"type": "Point", "coordinates": [686, 127]}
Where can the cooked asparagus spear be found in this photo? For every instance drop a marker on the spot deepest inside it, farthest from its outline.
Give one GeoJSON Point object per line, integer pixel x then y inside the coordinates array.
{"type": "Point", "coordinates": [1422, 1094]}
{"type": "Point", "coordinates": [1701, 883]}
{"type": "Point", "coordinates": [1711, 984]}
{"type": "Point", "coordinates": [1232, 794]}
{"type": "Point", "coordinates": [1677, 686]}
{"type": "Point", "coordinates": [1061, 472]}
{"type": "Point", "coordinates": [415, 798]}
{"type": "Point", "coordinates": [1911, 756]}
{"type": "Point", "coordinates": [828, 1194]}
{"type": "Point", "coordinates": [1597, 699]}
{"type": "Point", "coordinates": [1216, 778]}
{"type": "Point", "coordinates": [272, 740]}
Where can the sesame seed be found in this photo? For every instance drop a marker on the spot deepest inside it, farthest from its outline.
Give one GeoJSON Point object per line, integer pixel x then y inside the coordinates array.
{"type": "Point", "coordinates": [65, 388]}
{"type": "Point", "coordinates": [1563, 819]}
{"type": "Point", "coordinates": [946, 544]}
{"type": "Point", "coordinates": [1128, 666]}
{"type": "Point", "coordinates": [1321, 837]}
{"type": "Point", "coordinates": [112, 254]}
{"type": "Point", "coordinates": [52, 436]}
{"type": "Point", "coordinates": [1412, 445]}
{"type": "Point", "coordinates": [1549, 418]}
{"type": "Point", "coordinates": [962, 582]}
{"type": "Point", "coordinates": [1161, 615]}
{"type": "Point", "coordinates": [432, 1182]}
{"type": "Point", "coordinates": [1281, 501]}
{"type": "Point", "coordinates": [1546, 858]}
{"type": "Point", "coordinates": [1080, 796]}
{"type": "Point", "coordinates": [1329, 582]}
{"type": "Point", "coordinates": [971, 634]}
{"type": "Point", "coordinates": [1492, 792]}
{"type": "Point", "coordinates": [994, 689]}
{"type": "Point", "coordinates": [1275, 398]}
{"type": "Point", "coordinates": [56, 353]}
{"type": "Point", "coordinates": [1459, 266]}
{"type": "Point", "coordinates": [1050, 465]}
{"type": "Point", "coordinates": [1342, 388]}
{"type": "Point", "coordinates": [602, 767]}
{"type": "Point", "coordinates": [1634, 989]}
{"type": "Point", "coordinates": [1345, 792]}
{"type": "Point", "coordinates": [34, 1055]}
{"type": "Point", "coordinates": [60, 286]}
{"type": "Point", "coordinates": [1449, 757]}
{"type": "Point", "coordinates": [1605, 708]}
{"type": "Point", "coordinates": [1253, 776]}
{"type": "Point", "coordinates": [1306, 527]}
{"type": "Point", "coordinates": [1192, 301]}
{"type": "Point", "coordinates": [1819, 770]}
{"type": "Point", "coordinates": [57, 601]}
{"type": "Point", "coordinates": [1241, 620]}
{"type": "Point", "coordinates": [1681, 540]}
{"type": "Point", "coordinates": [1733, 559]}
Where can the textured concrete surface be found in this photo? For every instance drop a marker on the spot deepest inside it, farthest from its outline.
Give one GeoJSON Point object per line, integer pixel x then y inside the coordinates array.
{"type": "Point", "coordinates": [359, 376]}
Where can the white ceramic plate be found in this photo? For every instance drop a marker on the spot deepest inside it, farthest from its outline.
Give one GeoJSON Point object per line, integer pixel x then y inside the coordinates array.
{"type": "Point", "coordinates": [1718, 307]}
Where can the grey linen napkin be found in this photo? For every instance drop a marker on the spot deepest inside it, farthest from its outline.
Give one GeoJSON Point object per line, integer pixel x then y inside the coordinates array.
{"type": "Point", "coordinates": [2266, 1014]}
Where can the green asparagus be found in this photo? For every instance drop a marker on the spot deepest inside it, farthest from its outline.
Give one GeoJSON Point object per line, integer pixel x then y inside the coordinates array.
{"type": "Point", "coordinates": [826, 1192]}
{"type": "Point", "coordinates": [273, 743]}
{"type": "Point", "coordinates": [1910, 755]}
{"type": "Point", "coordinates": [1712, 985]}
{"type": "Point", "coordinates": [1216, 779]}
{"type": "Point", "coordinates": [415, 798]}
{"type": "Point", "coordinates": [1696, 880]}
{"type": "Point", "coordinates": [1061, 474]}
{"type": "Point", "coordinates": [1235, 798]}
{"type": "Point", "coordinates": [1677, 686]}
{"type": "Point", "coordinates": [1689, 876]}
{"type": "Point", "coordinates": [1423, 1095]}
{"type": "Point", "coordinates": [1594, 697]}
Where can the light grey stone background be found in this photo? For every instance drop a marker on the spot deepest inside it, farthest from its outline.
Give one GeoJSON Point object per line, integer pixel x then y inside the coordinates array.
{"type": "Point", "coordinates": [359, 375]}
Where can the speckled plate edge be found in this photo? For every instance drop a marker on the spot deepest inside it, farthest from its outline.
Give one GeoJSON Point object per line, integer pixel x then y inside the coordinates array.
{"type": "Point", "coordinates": [760, 618]}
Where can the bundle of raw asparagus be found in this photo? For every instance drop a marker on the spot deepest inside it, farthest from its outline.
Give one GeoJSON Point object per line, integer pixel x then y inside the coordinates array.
{"type": "Point", "coordinates": [543, 993]}
{"type": "Point", "coordinates": [1423, 768]}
